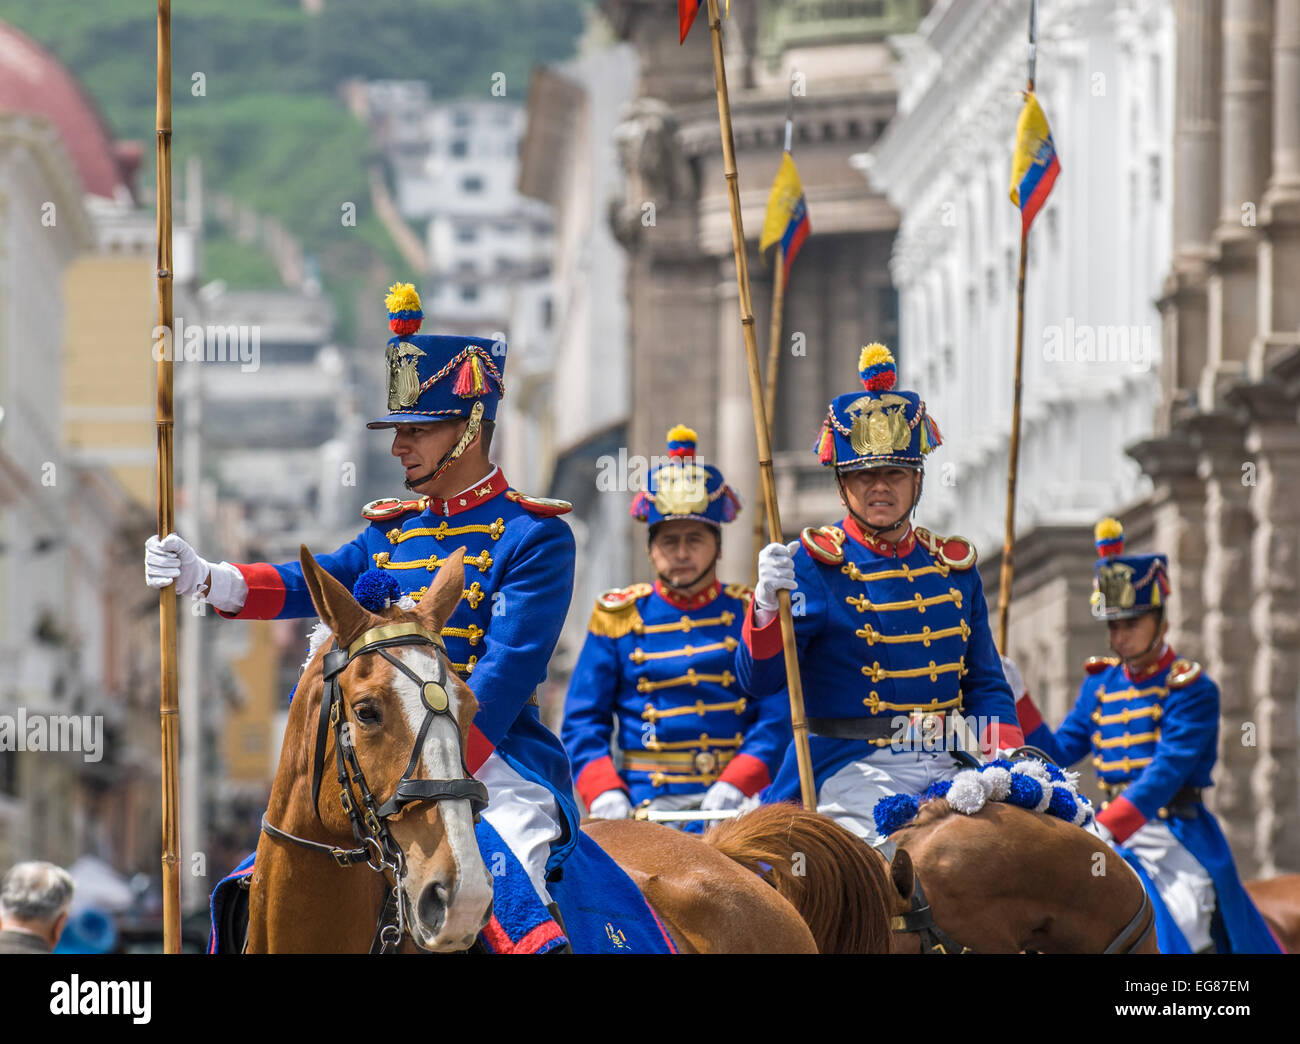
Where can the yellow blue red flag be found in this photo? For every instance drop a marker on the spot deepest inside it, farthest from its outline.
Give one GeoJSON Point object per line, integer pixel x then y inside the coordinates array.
{"type": "Point", "coordinates": [786, 221]}
{"type": "Point", "coordinates": [1034, 166]}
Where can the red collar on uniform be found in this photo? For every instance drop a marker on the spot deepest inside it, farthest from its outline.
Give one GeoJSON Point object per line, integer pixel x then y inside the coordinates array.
{"type": "Point", "coordinates": [1168, 657]}
{"type": "Point", "coordinates": [466, 499]}
{"type": "Point", "coordinates": [696, 601]}
{"type": "Point", "coordinates": [881, 547]}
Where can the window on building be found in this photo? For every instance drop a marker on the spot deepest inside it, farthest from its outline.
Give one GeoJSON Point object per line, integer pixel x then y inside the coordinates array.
{"type": "Point", "coordinates": [548, 313]}
{"type": "Point", "coordinates": [460, 147]}
{"type": "Point", "coordinates": [469, 293]}
{"type": "Point", "coordinates": [466, 234]}
{"type": "Point", "coordinates": [460, 118]}
{"type": "Point", "coordinates": [473, 183]}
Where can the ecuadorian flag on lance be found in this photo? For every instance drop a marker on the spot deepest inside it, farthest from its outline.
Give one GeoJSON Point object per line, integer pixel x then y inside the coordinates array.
{"type": "Point", "coordinates": [786, 222]}
{"type": "Point", "coordinates": [686, 12]}
{"type": "Point", "coordinates": [1034, 166]}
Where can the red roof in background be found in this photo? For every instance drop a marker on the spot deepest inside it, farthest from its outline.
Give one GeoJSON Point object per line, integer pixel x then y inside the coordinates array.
{"type": "Point", "coordinates": [34, 82]}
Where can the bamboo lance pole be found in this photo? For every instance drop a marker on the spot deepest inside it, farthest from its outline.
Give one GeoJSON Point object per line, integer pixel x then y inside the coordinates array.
{"type": "Point", "coordinates": [766, 479]}
{"type": "Point", "coordinates": [169, 708]}
{"type": "Point", "coordinates": [1013, 463]}
{"type": "Point", "coordinates": [773, 365]}
{"type": "Point", "coordinates": [1013, 460]}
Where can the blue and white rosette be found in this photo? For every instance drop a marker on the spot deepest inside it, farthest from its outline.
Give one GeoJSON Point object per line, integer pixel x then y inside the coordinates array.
{"type": "Point", "coordinates": [1036, 785]}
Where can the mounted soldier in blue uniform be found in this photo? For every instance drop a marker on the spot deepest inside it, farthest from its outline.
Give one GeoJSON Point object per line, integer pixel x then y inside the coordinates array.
{"type": "Point", "coordinates": [519, 558]}
{"type": "Point", "coordinates": [1150, 720]}
{"type": "Point", "coordinates": [890, 620]}
{"type": "Point", "coordinates": [659, 661]}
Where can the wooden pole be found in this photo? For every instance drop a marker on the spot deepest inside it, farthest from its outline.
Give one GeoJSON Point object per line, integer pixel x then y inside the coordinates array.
{"type": "Point", "coordinates": [773, 366]}
{"type": "Point", "coordinates": [1013, 460]}
{"type": "Point", "coordinates": [766, 479]}
{"type": "Point", "coordinates": [169, 709]}
{"type": "Point", "coordinates": [1009, 542]}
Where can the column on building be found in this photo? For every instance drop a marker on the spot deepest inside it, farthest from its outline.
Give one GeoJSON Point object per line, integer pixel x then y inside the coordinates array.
{"type": "Point", "coordinates": [1246, 108]}
{"type": "Point", "coordinates": [1226, 638]}
{"type": "Point", "coordinates": [1196, 198]}
{"type": "Point", "coordinates": [1279, 216]}
{"type": "Point", "coordinates": [1267, 733]}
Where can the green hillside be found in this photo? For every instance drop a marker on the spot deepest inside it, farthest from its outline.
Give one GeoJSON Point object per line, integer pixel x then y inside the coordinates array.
{"type": "Point", "coordinates": [267, 122]}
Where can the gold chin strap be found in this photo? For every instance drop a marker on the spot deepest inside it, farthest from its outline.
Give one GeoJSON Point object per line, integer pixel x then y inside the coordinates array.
{"type": "Point", "coordinates": [469, 435]}
{"type": "Point", "coordinates": [471, 431]}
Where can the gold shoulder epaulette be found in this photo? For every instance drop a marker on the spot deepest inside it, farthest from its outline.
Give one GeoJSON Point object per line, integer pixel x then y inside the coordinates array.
{"type": "Point", "coordinates": [1182, 673]}
{"type": "Point", "coordinates": [391, 507]}
{"type": "Point", "coordinates": [1097, 664]}
{"type": "Point", "coordinates": [615, 613]}
{"type": "Point", "coordinates": [825, 544]}
{"type": "Point", "coordinates": [955, 552]}
{"type": "Point", "coordinates": [539, 505]}
{"type": "Point", "coordinates": [741, 592]}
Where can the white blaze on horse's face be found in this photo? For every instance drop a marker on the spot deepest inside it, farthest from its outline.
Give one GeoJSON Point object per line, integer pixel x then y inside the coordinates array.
{"type": "Point", "coordinates": [448, 887]}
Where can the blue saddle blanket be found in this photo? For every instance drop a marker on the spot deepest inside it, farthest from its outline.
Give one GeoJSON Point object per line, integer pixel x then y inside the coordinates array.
{"type": "Point", "coordinates": [602, 909]}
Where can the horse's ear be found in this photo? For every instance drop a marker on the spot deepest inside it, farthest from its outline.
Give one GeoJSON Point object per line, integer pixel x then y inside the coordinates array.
{"type": "Point", "coordinates": [332, 600]}
{"type": "Point", "coordinates": [440, 601]}
{"type": "Point", "coordinates": [901, 873]}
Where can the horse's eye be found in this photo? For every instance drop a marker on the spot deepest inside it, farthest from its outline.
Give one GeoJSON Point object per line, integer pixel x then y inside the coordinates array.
{"type": "Point", "coordinates": [368, 714]}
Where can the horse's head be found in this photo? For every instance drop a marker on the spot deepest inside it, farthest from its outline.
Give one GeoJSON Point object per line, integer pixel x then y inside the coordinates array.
{"type": "Point", "coordinates": [403, 720]}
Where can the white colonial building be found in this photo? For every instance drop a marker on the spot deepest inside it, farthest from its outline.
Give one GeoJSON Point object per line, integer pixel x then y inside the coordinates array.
{"type": "Point", "coordinates": [1098, 252]}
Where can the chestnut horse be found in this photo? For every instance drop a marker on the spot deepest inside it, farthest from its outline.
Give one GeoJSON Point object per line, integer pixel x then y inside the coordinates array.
{"type": "Point", "coordinates": [1278, 901]}
{"type": "Point", "coordinates": [391, 716]}
{"type": "Point", "coordinates": [1008, 880]}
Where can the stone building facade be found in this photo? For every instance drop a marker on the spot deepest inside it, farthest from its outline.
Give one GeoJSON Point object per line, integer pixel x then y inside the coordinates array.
{"type": "Point", "coordinates": [1097, 253]}
{"type": "Point", "coordinates": [1225, 455]}
{"type": "Point", "coordinates": [687, 350]}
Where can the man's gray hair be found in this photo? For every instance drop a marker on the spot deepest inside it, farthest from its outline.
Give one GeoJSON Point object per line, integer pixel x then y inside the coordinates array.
{"type": "Point", "coordinates": [35, 892]}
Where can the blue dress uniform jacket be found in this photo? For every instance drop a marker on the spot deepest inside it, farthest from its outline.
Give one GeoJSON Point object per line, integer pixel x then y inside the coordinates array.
{"type": "Point", "coordinates": [664, 669]}
{"type": "Point", "coordinates": [1150, 736]}
{"type": "Point", "coordinates": [518, 582]}
{"type": "Point", "coordinates": [883, 630]}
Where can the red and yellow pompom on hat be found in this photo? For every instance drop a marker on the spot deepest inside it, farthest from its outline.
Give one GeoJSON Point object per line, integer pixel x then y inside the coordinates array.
{"type": "Point", "coordinates": [880, 429]}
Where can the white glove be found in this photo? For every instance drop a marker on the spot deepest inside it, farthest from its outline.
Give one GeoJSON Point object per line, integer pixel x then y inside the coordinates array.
{"type": "Point", "coordinates": [1017, 683]}
{"type": "Point", "coordinates": [775, 573]}
{"type": "Point", "coordinates": [613, 804]}
{"type": "Point", "coordinates": [170, 560]}
{"type": "Point", "coordinates": [722, 795]}
{"type": "Point", "coordinates": [1101, 830]}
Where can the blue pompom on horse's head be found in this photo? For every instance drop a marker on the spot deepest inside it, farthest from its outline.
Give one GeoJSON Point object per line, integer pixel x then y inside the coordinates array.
{"type": "Point", "coordinates": [376, 590]}
{"type": "Point", "coordinates": [1032, 784]}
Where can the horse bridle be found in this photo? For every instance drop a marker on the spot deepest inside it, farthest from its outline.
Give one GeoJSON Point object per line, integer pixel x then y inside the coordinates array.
{"type": "Point", "coordinates": [920, 918]}
{"type": "Point", "coordinates": [375, 845]}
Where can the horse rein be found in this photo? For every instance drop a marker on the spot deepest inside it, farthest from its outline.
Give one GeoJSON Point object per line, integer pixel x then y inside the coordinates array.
{"type": "Point", "coordinates": [375, 845]}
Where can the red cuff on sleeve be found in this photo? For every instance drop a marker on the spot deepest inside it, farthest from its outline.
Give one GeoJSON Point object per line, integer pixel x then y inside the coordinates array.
{"type": "Point", "coordinates": [1027, 712]}
{"type": "Point", "coordinates": [762, 642]}
{"type": "Point", "coordinates": [265, 593]}
{"type": "Point", "coordinates": [1121, 817]}
{"type": "Point", "coordinates": [477, 749]}
{"type": "Point", "coordinates": [1001, 736]}
{"type": "Point", "coordinates": [597, 777]}
{"type": "Point", "coordinates": [746, 772]}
